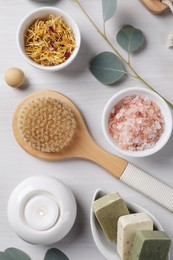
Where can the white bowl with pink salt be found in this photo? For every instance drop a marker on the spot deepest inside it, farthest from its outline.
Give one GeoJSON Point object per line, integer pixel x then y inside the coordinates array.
{"type": "Point", "coordinates": [137, 122]}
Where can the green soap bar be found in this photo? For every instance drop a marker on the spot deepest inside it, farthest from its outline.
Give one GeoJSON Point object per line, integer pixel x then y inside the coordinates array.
{"type": "Point", "coordinates": [107, 210]}
{"type": "Point", "coordinates": [150, 245]}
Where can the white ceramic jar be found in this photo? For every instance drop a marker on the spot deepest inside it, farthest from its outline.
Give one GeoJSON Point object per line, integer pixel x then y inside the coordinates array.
{"type": "Point", "coordinates": [41, 210]}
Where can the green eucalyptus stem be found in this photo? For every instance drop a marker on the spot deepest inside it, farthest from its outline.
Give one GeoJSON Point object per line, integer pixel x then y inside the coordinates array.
{"type": "Point", "coordinates": [129, 57]}
{"type": "Point", "coordinates": [127, 63]}
{"type": "Point", "coordinates": [104, 29]}
{"type": "Point", "coordinates": [149, 86]}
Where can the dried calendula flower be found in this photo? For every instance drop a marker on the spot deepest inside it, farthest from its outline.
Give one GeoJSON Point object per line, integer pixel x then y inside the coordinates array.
{"type": "Point", "coordinates": [49, 41]}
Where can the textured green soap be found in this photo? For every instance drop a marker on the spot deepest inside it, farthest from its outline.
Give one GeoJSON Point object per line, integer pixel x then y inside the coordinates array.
{"type": "Point", "coordinates": [150, 245]}
{"type": "Point", "coordinates": [107, 210]}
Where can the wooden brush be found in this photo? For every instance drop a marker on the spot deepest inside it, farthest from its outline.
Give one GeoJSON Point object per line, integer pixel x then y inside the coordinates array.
{"type": "Point", "coordinates": [48, 125]}
{"type": "Point", "coordinates": [155, 6]}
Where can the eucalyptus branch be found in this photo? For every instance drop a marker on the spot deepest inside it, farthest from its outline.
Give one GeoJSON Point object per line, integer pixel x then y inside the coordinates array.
{"type": "Point", "coordinates": [126, 62]}
{"type": "Point", "coordinates": [104, 29]}
{"type": "Point", "coordinates": [130, 74]}
{"type": "Point", "coordinates": [129, 57]}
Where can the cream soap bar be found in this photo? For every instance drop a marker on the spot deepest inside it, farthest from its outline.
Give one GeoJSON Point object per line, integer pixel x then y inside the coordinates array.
{"type": "Point", "coordinates": [150, 245]}
{"type": "Point", "coordinates": [107, 210]}
{"type": "Point", "coordinates": [127, 228]}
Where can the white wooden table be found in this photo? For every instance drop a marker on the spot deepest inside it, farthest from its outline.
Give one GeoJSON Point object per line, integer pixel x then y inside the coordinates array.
{"type": "Point", "coordinates": [154, 63]}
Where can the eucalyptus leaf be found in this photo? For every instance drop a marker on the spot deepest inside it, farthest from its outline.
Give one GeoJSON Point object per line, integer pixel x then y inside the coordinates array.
{"type": "Point", "coordinates": [55, 254]}
{"type": "Point", "coordinates": [4, 256]}
{"type": "Point", "coordinates": [107, 67]}
{"type": "Point", "coordinates": [109, 8]}
{"type": "Point", "coordinates": [130, 38]}
{"type": "Point", "coordinates": [16, 254]}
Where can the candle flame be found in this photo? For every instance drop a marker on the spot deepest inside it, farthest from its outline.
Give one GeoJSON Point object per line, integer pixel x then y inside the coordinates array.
{"type": "Point", "coordinates": [41, 212]}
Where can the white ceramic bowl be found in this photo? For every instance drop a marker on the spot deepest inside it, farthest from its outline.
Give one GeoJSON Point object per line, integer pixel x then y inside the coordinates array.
{"type": "Point", "coordinates": [41, 13]}
{"type": "Point", "coordinates": [152, 96]}
{"type": "Point", "coordinates": [108, 249]}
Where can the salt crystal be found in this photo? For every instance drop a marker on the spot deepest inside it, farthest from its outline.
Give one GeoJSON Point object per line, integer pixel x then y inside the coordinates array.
{"type": "Point", "coordinates": [139, 120]}
{"type": "Point", "coordinates": [118, 116]}
{"type": "Point", "coordinates": [157, 124]}
{"type": "Point", "coordinates": [136, 123]}
{"type": "Point", "coordinates": [119, 126]}
{"type": "Point", "coordinates": [113, 110]}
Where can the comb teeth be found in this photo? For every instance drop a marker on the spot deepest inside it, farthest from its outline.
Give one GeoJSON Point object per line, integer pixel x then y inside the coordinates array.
{"type": "Point", "coordinates": [47, 124]}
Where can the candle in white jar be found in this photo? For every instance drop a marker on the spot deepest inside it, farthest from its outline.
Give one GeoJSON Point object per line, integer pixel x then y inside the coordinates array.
{"type": "Point", "coordinates": [41, 212]}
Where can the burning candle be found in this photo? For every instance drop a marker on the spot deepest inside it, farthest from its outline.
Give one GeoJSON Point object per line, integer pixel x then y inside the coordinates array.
{"type": "Point", "coordinates": [41, 210]}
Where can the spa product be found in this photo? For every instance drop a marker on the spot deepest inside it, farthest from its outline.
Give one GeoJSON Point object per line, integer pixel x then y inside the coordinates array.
{"type": "Point", "coordinates": [136, 123]}
{"type": "Point", "coordinates": [54, 42]}
{"type": "Point", "coordinates": [41, 210]}
{"type": "Point", "coordinates": [127, 227]}
{"type": "Point", "coordinates": [150, 245]}
{"type": "Point", "coordinates": [83, 146]}
{"type": "Point", "coordinates": [107, 210]}
{"type": "Point", "coordinates": [107, 248]}
{"type": "Point", "coordinates": [14, 77]}
{"type": "Point", "coordinates": [47, 124]}
{"type": "Point", "coordinates": [49, 41]}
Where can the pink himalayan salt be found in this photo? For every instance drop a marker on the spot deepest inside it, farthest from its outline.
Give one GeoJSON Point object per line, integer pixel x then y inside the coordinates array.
{"type": "Point", "coordinates": [136, 123]}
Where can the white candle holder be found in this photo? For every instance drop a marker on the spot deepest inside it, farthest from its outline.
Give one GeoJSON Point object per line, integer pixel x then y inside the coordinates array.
{"type": "Point", "coordinates": [41, 210]}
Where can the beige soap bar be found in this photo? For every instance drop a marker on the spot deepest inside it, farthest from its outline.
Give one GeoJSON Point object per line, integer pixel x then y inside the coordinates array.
{"type": "Point", "coordinates": [107, 210]}
{"type": "Point", "coordinates": [127, 228]}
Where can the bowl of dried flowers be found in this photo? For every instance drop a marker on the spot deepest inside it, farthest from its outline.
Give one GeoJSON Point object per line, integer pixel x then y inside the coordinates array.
{"type": "Point", "coordinates": [48, 38]}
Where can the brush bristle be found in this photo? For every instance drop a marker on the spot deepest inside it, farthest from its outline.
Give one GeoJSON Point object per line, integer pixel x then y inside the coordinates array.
{"type": "Point", "coordinates": [47, 124]}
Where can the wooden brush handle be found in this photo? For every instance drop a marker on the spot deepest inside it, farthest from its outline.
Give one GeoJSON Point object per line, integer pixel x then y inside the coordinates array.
{"type": "Point", "coordinates": [155, 6]}
{"type": "Point", "coordinates": [112, 163]}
